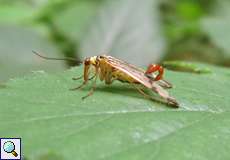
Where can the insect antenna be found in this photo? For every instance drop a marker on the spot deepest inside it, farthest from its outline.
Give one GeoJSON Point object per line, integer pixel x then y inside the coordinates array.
{"type": "Point", "coordinates": [61, 59]}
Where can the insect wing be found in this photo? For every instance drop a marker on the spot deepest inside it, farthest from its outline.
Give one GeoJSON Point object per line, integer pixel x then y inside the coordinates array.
{"type": "Point", "coordinates": [130, 70]}
{"type": "Point", "coordinates": [133, 69]}
{"type": "Point", "coordinates": [139, 75]}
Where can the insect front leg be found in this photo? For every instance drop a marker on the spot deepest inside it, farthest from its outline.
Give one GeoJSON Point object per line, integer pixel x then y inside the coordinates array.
{"type": "Point", "coordinates": [85, 75]}
{"type": "Point", "coordinates": [153, 68]}
{"type": "Point", "coordinates": [84, 83]}
{"type": "Point", "coordinates": [80, 86]}
{"type": "Point", "coordinates": [94, 85]}
{"type": "Point", "coordinates": [77, 78]}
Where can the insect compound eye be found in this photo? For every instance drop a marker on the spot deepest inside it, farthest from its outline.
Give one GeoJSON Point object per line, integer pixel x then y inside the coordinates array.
{"type": "Point", "coordinates": [87, 61]}
{"type": "Point", "coordinates": [101, 57]}
{"type": "Point", "coordinates": [97, 58]}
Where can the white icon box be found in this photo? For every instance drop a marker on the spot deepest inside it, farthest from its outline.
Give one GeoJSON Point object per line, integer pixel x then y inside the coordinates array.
{"type": "Point", "coordinates": [10, 148]}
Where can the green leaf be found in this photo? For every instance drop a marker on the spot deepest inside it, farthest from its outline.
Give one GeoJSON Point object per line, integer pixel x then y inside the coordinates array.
{"type": "Point", "coordinates": [116, 122]}
{"type": "Point", "coordinates": [185, 67]}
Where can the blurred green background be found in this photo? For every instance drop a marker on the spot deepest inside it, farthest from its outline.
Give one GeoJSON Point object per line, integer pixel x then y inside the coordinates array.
{"type": "Point", "coordinates": [141, 32]}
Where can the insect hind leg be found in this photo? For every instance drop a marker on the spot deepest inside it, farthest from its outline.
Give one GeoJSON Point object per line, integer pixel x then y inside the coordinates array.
{"type": "Point", "coordinates": [165, 84]}
{"type": "Point", "coordinates": [170, 100]}
{"type": "Point", "coordinates": [145, 94]}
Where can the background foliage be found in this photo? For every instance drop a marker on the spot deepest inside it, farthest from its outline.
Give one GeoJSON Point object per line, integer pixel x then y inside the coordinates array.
{"type": "Point", "coordinates": [150, 31]}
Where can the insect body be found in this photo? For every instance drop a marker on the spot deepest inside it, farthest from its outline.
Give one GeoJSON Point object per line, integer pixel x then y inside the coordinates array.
{"type": "Point", "coordinates": [108, 69]}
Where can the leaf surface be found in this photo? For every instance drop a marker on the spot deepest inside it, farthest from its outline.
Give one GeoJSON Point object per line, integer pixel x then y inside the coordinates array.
{"type": "Point", "coordinates": [117, 122]}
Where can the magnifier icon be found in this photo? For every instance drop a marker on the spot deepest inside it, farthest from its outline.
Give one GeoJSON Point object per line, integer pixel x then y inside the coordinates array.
{"type": "Point", "coordinates": [9, 147]}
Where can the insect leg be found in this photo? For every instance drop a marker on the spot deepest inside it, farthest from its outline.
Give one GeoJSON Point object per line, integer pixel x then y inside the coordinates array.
{"type": "Point", "coordinates": [86, 75]}
{"type": "Point", "coordinates": [165, 95]}
{"type": "Point", "coordinates": [141, 91]}
{"type": "Point", "coordinates": [93, 88]}
{"type": "Point", "coordinates": [145, 94]}
{"type": "Point", "coordinates": [170, 100]}
{"type": "Point", "coordinates": [165, 84]}
{"type": "Point", "coordinates": [92, 77]}
{"type": "Point", "coordinates": [108, 75]}
{"type": "Point", "coordinates": [153, 68]}
{"type": "Point", "coordinates": [84, 83]}
{"type": "Point", "coordinates": [77, 78]}
{"type": "Point", "coordinates": [79, 87]}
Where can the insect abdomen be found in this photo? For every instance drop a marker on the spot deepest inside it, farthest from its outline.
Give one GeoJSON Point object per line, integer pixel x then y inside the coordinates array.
{"type": "Point", "coordinates": [121, 76]}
